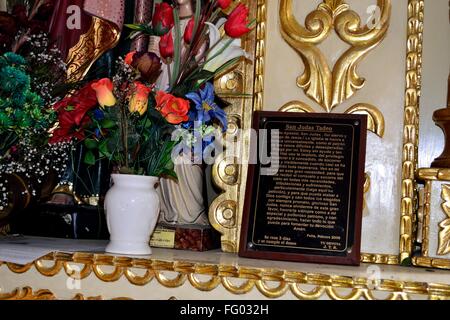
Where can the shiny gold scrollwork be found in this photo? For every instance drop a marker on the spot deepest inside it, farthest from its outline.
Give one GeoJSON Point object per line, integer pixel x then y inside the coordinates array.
{"type": "Point", "coordinates": [297, 106]}
{"type": "Point", "coordinates": [272, 283]}
{"type": "Point", "coordinates": [101, 36]}
{"type": "Point", "coordinates": [28, 294]}
{"type": "Point", "coordinates": [444, 234]}
{"type": "Point", "coordinates": [375, 118]}
{"type": "Point", "coordinates": [327, 86]}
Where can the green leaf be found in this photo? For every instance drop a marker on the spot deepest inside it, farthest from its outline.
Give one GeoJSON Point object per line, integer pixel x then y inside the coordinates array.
{"type": "Point", "coordinates": [69, 108]}
{"type": "Point", "coordinates": [91, 144]}
{"type": "Point", "coordinates": [89, 158]}
{"type": "Point", "coordinates": [108, 124]}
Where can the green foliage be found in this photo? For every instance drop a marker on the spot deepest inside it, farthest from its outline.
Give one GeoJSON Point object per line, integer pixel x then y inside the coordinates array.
{"type": "Point", "coordinates": [21, 109]}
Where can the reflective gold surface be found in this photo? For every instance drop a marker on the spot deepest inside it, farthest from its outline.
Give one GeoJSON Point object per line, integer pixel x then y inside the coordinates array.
{"type": "Point", "coordinates": [101, 37]}
{"type": "Point", "coordinates": [444, 234]}
{"type": "Point", "coordinates": [330, 86]}
{"type": "Point", "coordinates": [312, 282]}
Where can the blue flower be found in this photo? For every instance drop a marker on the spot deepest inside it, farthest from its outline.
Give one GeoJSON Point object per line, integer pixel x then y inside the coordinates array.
{"type": "Point", "coordinates": [206, 110]}
{"type": "Point", "coordinates": [99, 115]}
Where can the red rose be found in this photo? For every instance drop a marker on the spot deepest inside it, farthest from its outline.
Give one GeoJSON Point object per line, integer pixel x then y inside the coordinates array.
{"type": "Point", "coordinates": [237, 23]}
{"type": "Point", "coordinates": [224, 4]}
{"type": "Point", "coordinates": [174, 110]}
{"type": "Point", "coordinates": [163, 19]}
{"type": "Point", "coordinates": [166, 46]}
{"type": "Point", "coordinates": [188, 32]}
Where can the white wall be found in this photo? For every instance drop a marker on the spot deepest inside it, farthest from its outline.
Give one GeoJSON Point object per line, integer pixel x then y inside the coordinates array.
{"type": "Point", "coordinates": [436, 68]}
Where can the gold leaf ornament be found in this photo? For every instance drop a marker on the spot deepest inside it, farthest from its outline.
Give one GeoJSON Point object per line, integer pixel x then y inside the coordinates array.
{"type": "Point", "coordinates": [444, 234]}
{"type": "Point", "coordinates": [328, 86]}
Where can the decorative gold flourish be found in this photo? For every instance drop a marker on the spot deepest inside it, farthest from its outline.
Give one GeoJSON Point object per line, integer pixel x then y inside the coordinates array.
{"type": "Point", "coordinates": [327, 86]}
{"type": "Point", "coordinates": [375, 119]}
{"type": "Point", "coordinates": [177, 273]}
{"type": "Point", "coordinates": [101, 37]}
{"type": "Point", "coordinates": [444, 234]}
{"type": "Point", "coordinates": [228, 174]}
{"type": "Point", "coordinates": [28, 294]}
{"type": "Point", "coordinates": [296, 106]}
{"type": "Point", "coordinates": [411, 126]}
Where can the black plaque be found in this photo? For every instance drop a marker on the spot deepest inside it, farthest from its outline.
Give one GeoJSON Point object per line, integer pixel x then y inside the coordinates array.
{"type": "Point", "coordinates": [304, 196]}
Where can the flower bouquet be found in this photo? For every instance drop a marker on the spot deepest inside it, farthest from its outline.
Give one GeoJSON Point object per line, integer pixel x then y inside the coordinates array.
{"type": "Point", "coordinates": [156, 102]}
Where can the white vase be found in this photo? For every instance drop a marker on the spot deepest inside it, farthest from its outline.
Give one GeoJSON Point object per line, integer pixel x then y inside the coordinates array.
{"type": "Point", "coordinates": [132, 208]}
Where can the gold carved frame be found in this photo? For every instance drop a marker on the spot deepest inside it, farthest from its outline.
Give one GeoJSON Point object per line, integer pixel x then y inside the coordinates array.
{"type": "Point", "coordinates": [328, 88]}
{"type": "Point", "coordinates": [428, 177]}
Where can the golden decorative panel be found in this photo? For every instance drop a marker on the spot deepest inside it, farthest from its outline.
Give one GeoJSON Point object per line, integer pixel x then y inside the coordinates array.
{"type": "Point", "coordinates": [101, 37]}
{"type": "Point", "coordinates": [329, 87]}
{"type": "Point", "coordinates": [333, 87]}
{"type": "Point", "coordinates": [444, 234]}
{"type": "Point", "coordinates": [272, 283]}
{"type": "Point", "coordinates": [428, 177]}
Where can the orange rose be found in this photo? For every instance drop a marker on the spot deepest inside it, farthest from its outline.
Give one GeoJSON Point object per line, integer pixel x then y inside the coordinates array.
{"type": "Point", "coordinates": [139, 98]}
{"type": "Point", "coordinates": [174, 110]}
{"type": "Point", "coordinates": [103, 88]}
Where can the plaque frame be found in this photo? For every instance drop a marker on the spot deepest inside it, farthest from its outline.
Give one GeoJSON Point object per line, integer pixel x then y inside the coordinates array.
{"type": "Point", "coordinates": [353, 256]}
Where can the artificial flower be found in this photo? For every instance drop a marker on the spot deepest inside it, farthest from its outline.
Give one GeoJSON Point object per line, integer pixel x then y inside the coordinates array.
{"type": "Point", "coordinates": [104, 90]}
{"type": "Point", "coordinates": [148, 64]}
{"type": "Point", "coordinates": [139, 98]}
{"type": "Point", "coordinates": [163, 19]}
{"type": "Point", "coordinates": [166, 46]}
{"type": "Point", "coordinates": [188, 32]}
{"type": "Point", "coordinates": [237, 23]}
{"type": "Point", "coordinates": [129, 58]}
{"type": "Point", "coordinates": [206, 109]}
{"type": "Point", "coordinates": [73, 115]}
{"type": "Point", "coordinates": [174, 110]}
{"type": "Point", "coordinates": [224, 49]}
{"type": "Point", "coordinates": [224, 4]}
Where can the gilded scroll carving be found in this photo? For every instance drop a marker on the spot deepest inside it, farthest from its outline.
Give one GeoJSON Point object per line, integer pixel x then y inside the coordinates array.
{"type": "Point", "coordinates": [328, 86]}
{"type": "Point", "coordinates": [444, 233]}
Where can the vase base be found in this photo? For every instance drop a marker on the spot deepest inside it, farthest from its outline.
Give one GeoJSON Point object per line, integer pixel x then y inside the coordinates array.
{"type": "Point", "coordinates": [129, 248]}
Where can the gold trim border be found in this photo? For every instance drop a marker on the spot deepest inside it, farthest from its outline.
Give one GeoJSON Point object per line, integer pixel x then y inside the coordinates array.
{"type": "Point", "coordinates": [408, 221]}
{"type": "Point", "coordinates": [28, 293]}
{"type": "Point", "coordinates": [427, 176]}
{"type": "Point", "coordinates": [330, 286]}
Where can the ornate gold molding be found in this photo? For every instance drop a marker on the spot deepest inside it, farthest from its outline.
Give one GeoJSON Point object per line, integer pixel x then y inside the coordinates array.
{"type": "Point", "coordinates": [444, 233]}
{"type": "Point", "coordinates": [327, 86]}
{"type": "Point", "coordinates": [28, 293]}
{"type": "Point", "coordinates": [182, 272]}
{"type": "Point", "coordinates": [428, 176]}
{"type": "Point", "coordinates": [101, 36]}
{"type": "Point", "coordinates": [411, 126]}
{"type": "Point", "coordinates": [228, 173]}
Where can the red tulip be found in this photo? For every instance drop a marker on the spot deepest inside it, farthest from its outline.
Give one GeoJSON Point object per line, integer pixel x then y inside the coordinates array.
{"type": "Point", "coordinates": [224, 4]}
{"type": "Point", "coordinates": [163, 19]}
{"type": "Point", "coordinates": [237, 23]}
{"type": "Point", "coordinates": [166, 46]}
{"type": "Point", "coordinates": [188, 32]}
